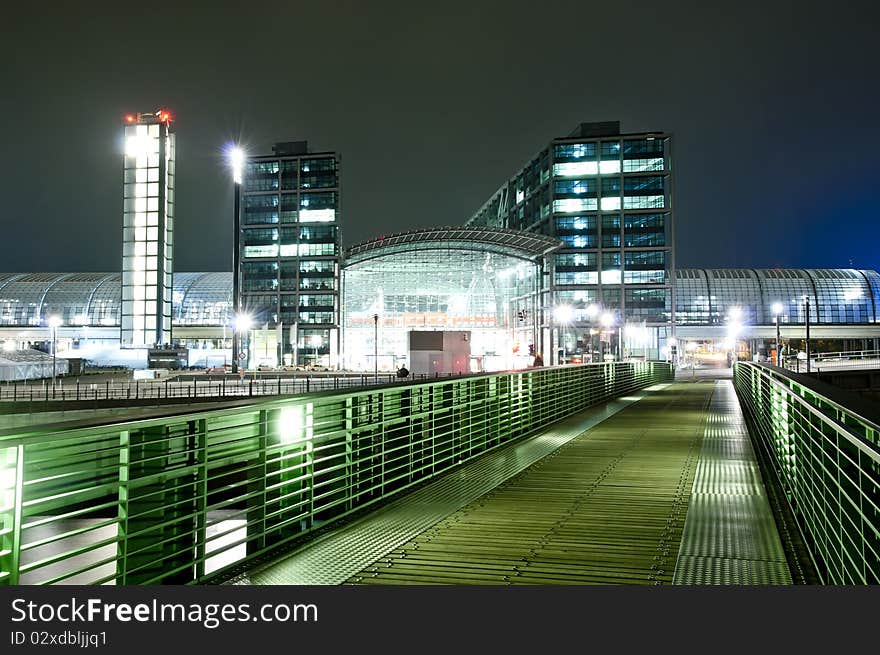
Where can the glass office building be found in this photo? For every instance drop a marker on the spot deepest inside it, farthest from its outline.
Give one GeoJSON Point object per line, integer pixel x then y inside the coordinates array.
{"type": "Point", "coordinates": [147, 230]}
{"type": "Point", "coordinates": [608, 197]}
{"type": "Point", "coordinates": [290, 256]}
{"type": "Point", "coordinates": [480, 284]}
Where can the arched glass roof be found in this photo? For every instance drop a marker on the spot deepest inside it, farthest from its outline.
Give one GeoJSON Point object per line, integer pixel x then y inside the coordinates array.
{"type": "Point", "coordinates": [523, 245]}
{"type": "Point", "coordinates": [29, 299]}
{"type": "Point", "coordinates": [837, 296]}
{"type": "Point", "coordinates": [703, 296]}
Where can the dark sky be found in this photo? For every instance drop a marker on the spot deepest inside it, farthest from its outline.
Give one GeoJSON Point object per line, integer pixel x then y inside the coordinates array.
{"type": "Point", "coordinates": [773, 107]}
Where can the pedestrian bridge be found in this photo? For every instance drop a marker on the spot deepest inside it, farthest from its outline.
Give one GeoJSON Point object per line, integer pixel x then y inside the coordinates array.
{"type": "Point", "coordinates": [610, 473]}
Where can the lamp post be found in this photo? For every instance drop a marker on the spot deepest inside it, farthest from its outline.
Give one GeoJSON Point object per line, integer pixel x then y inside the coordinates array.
{"type": "Point", "coordinates": [316, 341]}
{"type": "Point", "coordinates": [240, 326]}
{"type": "Point", "coordinates": [54, 322]}
{"type": "Point", "coordinates": [777, 310]}
{"type": "Point", "coordinates": [562, 315]}
{"type": "Point", "coordinates": [734, 328]}
{"type": "Point", "coordinates": [807, 325]}
{"type": "Point", "coordinates": [236, 161]}
{"type": "Point", "coordinates": [607, 321]}
{"type": "Point", "coordinates": [592, 311]}
{"type": "Point", "coordinates": [376, 346]}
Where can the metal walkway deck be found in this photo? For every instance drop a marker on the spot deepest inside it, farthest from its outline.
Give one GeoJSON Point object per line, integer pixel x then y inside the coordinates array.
{"type": "Point", "coordinates": [574, 505]}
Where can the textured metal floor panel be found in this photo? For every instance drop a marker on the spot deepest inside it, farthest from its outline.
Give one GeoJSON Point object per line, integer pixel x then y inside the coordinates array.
{"type": "Point", "coordinates": [606, 508]}
{"type": "Point", "coordinates": [730, 536]}
{"type": "Point", "coordinates": [339, 555]}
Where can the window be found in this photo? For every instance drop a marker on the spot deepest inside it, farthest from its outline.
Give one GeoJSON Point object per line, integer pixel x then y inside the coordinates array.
{"type": "Point", "coordinates": [317, 267]}
{"type": "Point", "coordinates": [318, 302]}
{"type": "Point", "coordinates": [318, 173]}
{"type": "Point", "coordinates": [261, 176]}
{"type": "Point", "coordinates": [575, 188]}
{"type": "Point", "coordinates": [610, 268]}
{"type": "Point", "coordinates": [579, 240]}
{"type": "Point", "coordinates": [611, 231]}
{"type": "Point", "coordinates": [318, 233]}
{"type": "Point", "coordinates": [568, 152]}
{"type": "Point", "coordinates": [643, 192]}
{"type": "Point", "coordinates": [575, 224]}
{"type": "Point", "coordinates": [568, 205]}
{"type": "Point", "coordinates": [313, 201]}
{"type": "Point", "coordinates": [260, 209]}
{"type": "Point", "coordinates": [289, 174]}
{"type": "Point", "coordinates": [289, 207]}
{"type": "Point", "coordinates": [573, 262]}
{"type": "Point", "coordinates": [576, 277]}
{"type": "Point", "coordinates": [643, 155]}
{"type": "Point", "coordinates": [316, 317]}
{"type": "Point", "coordinates": [646, 304]}
{"type": "Point", "coordinates": [644, 230]}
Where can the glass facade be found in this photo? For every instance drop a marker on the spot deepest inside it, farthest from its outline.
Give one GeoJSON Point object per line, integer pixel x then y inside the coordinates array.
{"type": "Point", "coordinates": [607, 197]}
{"type": "Point", "coordinates": [837, 296]}
{"type": "Point", "coordinates": [95, 299]}
{"type": "Point", "coordinates": [483, 285]}
{"type": "Point", "coordinates": [148, 228]}
{"type": "Point", "coordinates": [448, 287]}
{"type": "Point", "coordinates": [290, 256]}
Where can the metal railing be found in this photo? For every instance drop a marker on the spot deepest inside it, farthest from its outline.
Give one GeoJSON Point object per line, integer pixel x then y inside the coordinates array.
{"type": "Point", "coordinates": [846, 360]}
{"type": "Point", "coordinates": [190, 386]}
{"type": "Point", "coordinates": [827, 459]}
{"type": "Point", "coordinates": [185, 497]}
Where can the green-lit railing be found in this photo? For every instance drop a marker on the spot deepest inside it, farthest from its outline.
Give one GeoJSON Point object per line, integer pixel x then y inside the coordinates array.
{"type": "Point", "coordinates": [183, 498]}
{"type": "Point", "coordinates": [827, 459]}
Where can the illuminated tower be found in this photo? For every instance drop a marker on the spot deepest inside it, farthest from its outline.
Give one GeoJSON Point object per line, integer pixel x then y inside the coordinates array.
{"type": "Point", "coordinates": [148, 228]}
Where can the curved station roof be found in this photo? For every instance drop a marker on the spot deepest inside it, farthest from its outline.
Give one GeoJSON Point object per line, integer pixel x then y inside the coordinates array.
{"type": "Point", "coordinates": [523, 245]}
{"type": "Point", "coordinates": [28, 299]}
{"type": "Point", "coordinates": [703, 296]}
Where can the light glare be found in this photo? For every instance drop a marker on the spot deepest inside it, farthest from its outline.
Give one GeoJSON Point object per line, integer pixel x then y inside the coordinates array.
{"type": "Point", "coordinates": [236, 160]}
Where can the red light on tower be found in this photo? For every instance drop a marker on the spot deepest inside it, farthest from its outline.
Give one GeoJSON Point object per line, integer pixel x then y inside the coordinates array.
{"type": "Point", "coordinates": [164, 116]}
{"type": "Point", "coordinates": [129, 118]}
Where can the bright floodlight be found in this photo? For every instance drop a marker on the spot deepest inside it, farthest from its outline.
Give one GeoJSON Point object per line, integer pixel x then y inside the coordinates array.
{"type": "Point", "coordinates": [777, 308]}
{"type": "Point", "coordinates": [242, 323]}
{"type": "Point", "coordinates": [315, 340]}
{"type": "Point", "coordinates": [236, 160]}
{"type": "Point", "coordinates": [563, 313]}
{"type": "Point", "coordinates": [54, 321]}
{"type": "Point", "coordinates": [735, 313]}
{"type": "Point", "coordinates": [592, 310]}
{"type": "Point", "coordinates": [607, 319]}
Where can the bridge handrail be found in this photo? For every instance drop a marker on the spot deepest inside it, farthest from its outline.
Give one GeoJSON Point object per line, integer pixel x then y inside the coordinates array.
{"type": "Point", "coordinates": [189, 495]}
{"type": "Point", "coordinates": [817, 437]}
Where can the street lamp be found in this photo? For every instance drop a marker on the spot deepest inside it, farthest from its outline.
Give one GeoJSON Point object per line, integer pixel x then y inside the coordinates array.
{"type": "Point", "coordinates": [734, 327]}
{"type": "Point", "coordinates": [236, 163]}
{"type": "Point", "coordinates": [777, 310]}
{"type": "Point", "coordinates": [54, 322]}
{"type": "Point", "coordinates": [240, 326]}
{"type": "Point", "coordinates": [691, 347]}
{"type": "Point", "coordinates": [807, 325]}
{"type": "Point", "coordinates": [607, 320]}
{"type": "Point", "coordinates": [376, 346]}
{"type": "Point", "coordinates": [591, 311]}
{"type": "Point", "coordinates": [562, 315]}
{"type": "Point", "coordinates": [316, 341]}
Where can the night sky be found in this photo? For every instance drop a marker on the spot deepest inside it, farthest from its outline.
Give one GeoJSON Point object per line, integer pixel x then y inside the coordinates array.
{"type": "Point", "coordinates": [773, 107]}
